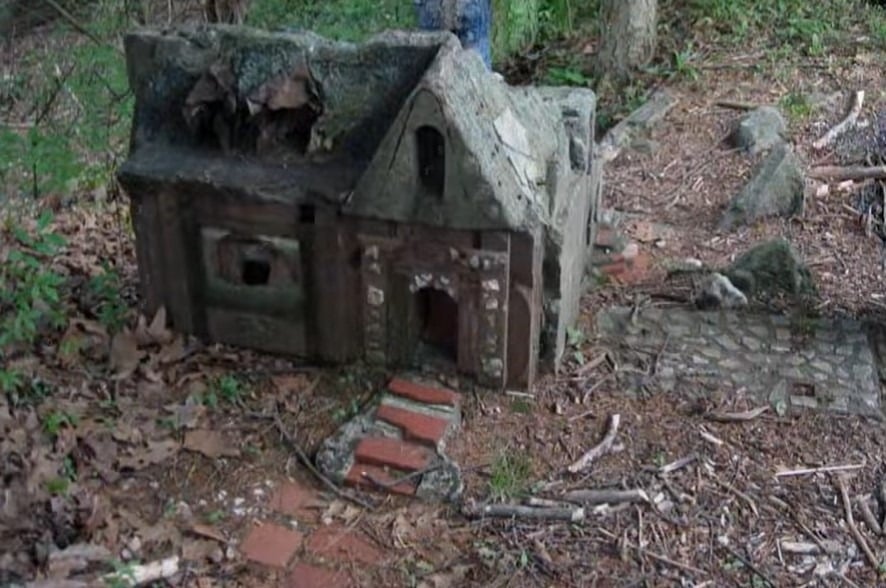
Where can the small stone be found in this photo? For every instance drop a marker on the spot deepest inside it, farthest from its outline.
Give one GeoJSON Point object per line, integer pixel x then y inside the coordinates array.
{"type": "Point", "coordinates": [759, 130]}
{"type": "Point", "coordinates": [751, 343]}
{"type": "Point", "coordinates": [822, 366]}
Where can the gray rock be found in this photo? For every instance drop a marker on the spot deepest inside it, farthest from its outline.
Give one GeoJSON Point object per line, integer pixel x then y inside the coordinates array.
{"type": "Point", "coordinates": [718, 292]}
{"type": "Point", "coordinates": [759, 130]}
{"type": "Point", "coordinates": [775, 189]}
{"type": "Point", "coordinates": [771, 268]}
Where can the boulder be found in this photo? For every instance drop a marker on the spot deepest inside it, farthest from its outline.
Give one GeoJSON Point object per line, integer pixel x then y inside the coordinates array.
{"type": "Point", "coordinates": [771, 268]}
{"type": "Point", "coordinates": [775, 189]}
{"type": "Point", "coordinates": [759, 130]}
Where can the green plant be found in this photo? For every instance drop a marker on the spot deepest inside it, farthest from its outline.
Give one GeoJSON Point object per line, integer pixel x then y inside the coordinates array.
{"type": "Point", "coordinates": [567, 76]}
{"type": "Point", "coordinates": [346, 412]}
{"type": "Point", "coordinates": [683, 62]}
{"type": "Point", "coordinates": [510, 476]}
{"type": "Point", "coordinates": [215, 517]}
{"type": "Point", "coordinates": [123, 575]}
{"type": "Point", "coordinates": [795, 105]}
{"type": "Point", "coordinates": [520, 406]}
{"type": "Point", "coordinates": [230, 389]}
{"type": "Point", "coordinates": [55, 420]}
{"type": "Point", "coordinates": [111, 308]}
{"type": "Point", "coordinates": [30, 298]}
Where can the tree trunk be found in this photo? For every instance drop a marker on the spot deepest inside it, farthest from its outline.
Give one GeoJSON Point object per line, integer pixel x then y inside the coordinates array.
{"type": "Point", "coordinates": [628, 39]}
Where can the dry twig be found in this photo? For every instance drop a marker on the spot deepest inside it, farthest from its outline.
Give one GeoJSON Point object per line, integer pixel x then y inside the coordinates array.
{"type": "Point", "coordinates": [736, 417]}
{"type": "Point", "coordinates": [853, 528]}
{"type": "Point", "coordinates": [303, 458]}
{"type": "Point", "coordinates": [843, 126]}
{"type": "Point", "coordinates": [518, 511]}
{"type": "Point", "coordinates": [821, 470]}
{"type": "Point", "coordinates": [868, 515]}
{"type": "Point", "coordinates": [589, 496]}
{"type": "Point", "coordinates": [589, 456]}
{"type": "Point", "coordinates": [849, 172]}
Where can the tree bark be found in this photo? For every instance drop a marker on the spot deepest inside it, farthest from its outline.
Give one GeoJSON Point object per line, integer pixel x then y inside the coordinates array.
{"type": "Point", "coordinates": [628, 36]}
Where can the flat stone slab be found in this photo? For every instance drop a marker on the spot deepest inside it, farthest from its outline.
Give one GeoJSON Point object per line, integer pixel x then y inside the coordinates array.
{"type": "Point", "coordinates": [398, 445]}
{"type": "Point", "coordinates": [827, 364]}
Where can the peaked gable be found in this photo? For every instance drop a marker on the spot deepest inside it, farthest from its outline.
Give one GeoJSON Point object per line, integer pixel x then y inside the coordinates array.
{"type": "Point", "coordinates": [466, 151]}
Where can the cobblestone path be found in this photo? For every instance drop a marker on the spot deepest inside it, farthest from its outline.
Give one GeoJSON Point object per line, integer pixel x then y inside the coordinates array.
{"type": "Point", "coordinates": [827, 364]}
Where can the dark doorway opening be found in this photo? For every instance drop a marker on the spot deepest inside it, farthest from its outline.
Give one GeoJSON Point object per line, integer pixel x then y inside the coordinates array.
{"type": "Point", "coordinates": [437, 316]}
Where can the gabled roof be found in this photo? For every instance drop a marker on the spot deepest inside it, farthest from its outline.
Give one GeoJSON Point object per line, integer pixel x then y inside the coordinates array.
{"type": "Point", "coordinates": [500, 145]}
{"type": "Point", "coordinates": [359, 107]}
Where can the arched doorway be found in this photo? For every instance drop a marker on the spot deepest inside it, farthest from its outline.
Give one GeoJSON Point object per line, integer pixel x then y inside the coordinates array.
{"type": "Point", "coordinates": [437, 316]}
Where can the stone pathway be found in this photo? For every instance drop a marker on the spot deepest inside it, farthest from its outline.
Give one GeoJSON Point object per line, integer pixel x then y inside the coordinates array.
{"type": "Point", "coordinates": [306, 555]}
{"type": "Point", "coordinates": [802, 363]}
{"type": "Point", "coordinates": [399, 445]}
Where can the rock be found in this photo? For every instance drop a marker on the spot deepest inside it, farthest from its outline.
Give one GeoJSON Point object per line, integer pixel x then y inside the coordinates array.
{"type": "Point", "coordinates": [718, 292]}
{"type": "Point", "coordinates": [776, 189]}
{"type": "Point", "coordinates": [771, 268]}
{"type": "Point", "coordinates": [759, 130]}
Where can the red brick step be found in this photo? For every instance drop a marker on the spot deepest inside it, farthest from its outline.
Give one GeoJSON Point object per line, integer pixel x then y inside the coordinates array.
{"type": "Point", "coordinates": [394, 453]}
{"type": "Point", "coordinates": [355, 477]}
{"type": "Point", "coordinates": [415, 425]}
{"type": "Point", "coordinates": [422, 393]}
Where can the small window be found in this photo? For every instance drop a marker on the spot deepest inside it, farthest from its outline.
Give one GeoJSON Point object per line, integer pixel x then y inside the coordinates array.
{"type": "Point", "coordinates": [431, 150]}
{"type": "Point", "coordinates": [255, 272]}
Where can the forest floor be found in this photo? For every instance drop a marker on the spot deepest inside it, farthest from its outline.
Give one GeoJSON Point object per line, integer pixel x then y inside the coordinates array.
{"type": "Point", "coordinates": [132, 447]}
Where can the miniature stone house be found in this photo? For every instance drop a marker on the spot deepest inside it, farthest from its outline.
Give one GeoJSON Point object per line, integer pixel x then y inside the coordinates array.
{"type": "Point", "coordinates": [392, 201]}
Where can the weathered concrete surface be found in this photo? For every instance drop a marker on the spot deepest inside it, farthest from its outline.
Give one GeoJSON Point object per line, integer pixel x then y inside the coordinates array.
{"type": "Point", "coordinates": [775, 189]}
{"type": "Point", "coordinates": [793, 364]}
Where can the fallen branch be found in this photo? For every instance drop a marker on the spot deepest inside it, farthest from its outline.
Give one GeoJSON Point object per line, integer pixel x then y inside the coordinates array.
{"type": "Point", "coordinates": [868, 515]}
{"type": "Point", "coordinates": [641, 119]}
{"type": "Point", "coordinates": [546, 503]}
{"type": "Point", "coordinates": [736, 105]}
{"type": "Point", "coordinates": [849, 172]}
{"type": "Point", "coordinates": [517, 511]}
{"type": "Point", "coordinates": [821, 470]}
{"type": "Point", "coordinates": [606, 496]}
{"type": "Point", "coordinates": [710, 438]}
{"type": "Point", "coordinates": [678, 464]}
{"type": "Point", "coordinates": [303, 458]}
{"type": "Point", "coordinates": [850, 521]}
{"type": "Point", "coordinates": [800, 548]}
{"type": "Point", "coordinates": [588, 458]}
{"type": "Point", "coordinates": [736, 417]}
{"type": "Point", "coordinates": [843, 126]}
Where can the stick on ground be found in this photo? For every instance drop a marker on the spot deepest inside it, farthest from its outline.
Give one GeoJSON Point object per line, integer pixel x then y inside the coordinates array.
{"type": "Point", "coordinates": [850, 522]}
{"type": "Point", "coordinates": [589, 496]}
{"type": "Point", "coordinates": [736, 417]}
{"type": "Point", "coordinates": [850, 172]}
{"type": "Point", "coordinates": [518, 511]}
{"type": "Point", "coordinates": [585, 461]}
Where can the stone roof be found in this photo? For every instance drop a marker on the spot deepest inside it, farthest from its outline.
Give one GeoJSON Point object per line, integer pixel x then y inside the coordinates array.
{"type": "Point", "coordinates": [249, 91]}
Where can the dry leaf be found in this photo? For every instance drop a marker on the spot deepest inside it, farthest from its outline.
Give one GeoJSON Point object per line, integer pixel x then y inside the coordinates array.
{"type": "Point", "coordinates": [154, 453]}
{"type": "Point", "coordinates": [199, 550]}
{"type": "Point", "coordinates": [209, 532]}
{"type": "Point", "coordinates": [187, 415]}
{"type": "Point", "coordinates": [212, 444]}
{"type": "Point", "coordinates": [125, 355]}
{"type": "Point", "coordinates": [157, 330]}
{"type": "Point", "coordinates": [173, 351]}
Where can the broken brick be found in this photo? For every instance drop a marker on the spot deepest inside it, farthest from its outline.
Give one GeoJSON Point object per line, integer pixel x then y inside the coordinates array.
{"type": "Point", "coordinates": [271, 545]}
{"type": "Point", "coordinates": [291, 498]}
{"type": "Point", "coordinates": [341, 544]}
{"type": "Point", "coordinates": [422, 393]}
{"type": "Point", "coordinates": [415, 425]}
{"type": "Point", "coordinates": [393, 453]}
{"type": "Point", "coordinates": [356, 477]}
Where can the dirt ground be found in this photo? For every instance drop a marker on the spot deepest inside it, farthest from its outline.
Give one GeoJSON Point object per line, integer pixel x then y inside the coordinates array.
{"type": "Point", "coordinates": [717, 513]}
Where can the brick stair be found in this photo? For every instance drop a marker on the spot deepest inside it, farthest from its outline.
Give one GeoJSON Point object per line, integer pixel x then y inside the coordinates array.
{"type": "Point", "coordinates": [405, 434]}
